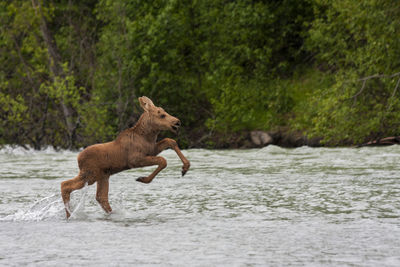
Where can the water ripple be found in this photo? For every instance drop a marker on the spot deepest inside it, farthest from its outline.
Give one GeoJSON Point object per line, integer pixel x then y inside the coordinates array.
{"type": "Point", "coordinates": [269, 206]}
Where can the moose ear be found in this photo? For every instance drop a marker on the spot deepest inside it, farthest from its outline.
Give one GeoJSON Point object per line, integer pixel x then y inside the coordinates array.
{"type": "Point", "coordinates": [145, 103]}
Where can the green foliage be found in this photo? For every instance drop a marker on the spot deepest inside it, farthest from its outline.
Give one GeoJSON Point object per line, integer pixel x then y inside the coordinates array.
{"type": "Point", "coordinates": [63, 89]}
{"type": "Point", "coordinates": [94, 123]}
{"type": "Point", "coordinates": [354, 39]}
{"type": "Point", "coordinates": [250, 105]}
{"type": "Point", "coordinates": [71, 71]}
{"type": "Point", "coordinates": [252, 45]}
{"type": "Point", "coordinates": [14, 108]}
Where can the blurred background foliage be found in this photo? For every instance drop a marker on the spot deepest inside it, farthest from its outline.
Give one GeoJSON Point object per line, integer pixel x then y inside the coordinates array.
{"type": "Point", "coordinates": [71, 71]}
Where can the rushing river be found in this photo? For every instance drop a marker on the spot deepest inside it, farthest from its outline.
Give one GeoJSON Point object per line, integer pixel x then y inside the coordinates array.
{"type": "Point", "coordinates": [258, 207]}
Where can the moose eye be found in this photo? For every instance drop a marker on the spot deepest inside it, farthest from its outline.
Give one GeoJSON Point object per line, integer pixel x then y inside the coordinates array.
{"type": "Point", "coordinates": [162, 116]}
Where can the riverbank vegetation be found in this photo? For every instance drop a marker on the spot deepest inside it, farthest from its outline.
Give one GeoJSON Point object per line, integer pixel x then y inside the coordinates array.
{"type": "Point", "coordinates": [71, 71]}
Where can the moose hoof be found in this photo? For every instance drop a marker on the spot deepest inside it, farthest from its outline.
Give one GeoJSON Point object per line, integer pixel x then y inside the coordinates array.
{"type": "Point", "coordinates": [142, 180]}
{"type": "Point", "coordinates": [184, 172]}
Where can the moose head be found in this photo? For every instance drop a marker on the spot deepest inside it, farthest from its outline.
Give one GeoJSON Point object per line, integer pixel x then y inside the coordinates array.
{"type": "Point", "coordinates": [158, 117]}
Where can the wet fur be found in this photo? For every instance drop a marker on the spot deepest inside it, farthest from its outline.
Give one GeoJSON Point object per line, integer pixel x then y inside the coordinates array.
{"type": "Point", "coordinates": [133, 148]}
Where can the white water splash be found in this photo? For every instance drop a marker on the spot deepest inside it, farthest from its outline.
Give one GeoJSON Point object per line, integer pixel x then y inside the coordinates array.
{"type": "Point", "coordinates": [50, 208]}
{"type": "Point", "coordinates": [79, 211]}
{"type": "Point", "coordinates": [47, 208]}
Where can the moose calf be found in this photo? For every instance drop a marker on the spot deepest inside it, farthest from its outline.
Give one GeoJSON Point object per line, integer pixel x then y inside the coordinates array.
{"type": "Point", "coordinates": [133, 148]}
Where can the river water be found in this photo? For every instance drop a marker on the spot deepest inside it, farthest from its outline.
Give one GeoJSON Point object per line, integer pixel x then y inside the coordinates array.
{"type": "Point", "coordinates": [257, 207]}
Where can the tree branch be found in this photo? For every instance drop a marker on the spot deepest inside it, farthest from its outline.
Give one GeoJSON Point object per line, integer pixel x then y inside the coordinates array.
{"type": "Point", "coordinates": [365, 79]}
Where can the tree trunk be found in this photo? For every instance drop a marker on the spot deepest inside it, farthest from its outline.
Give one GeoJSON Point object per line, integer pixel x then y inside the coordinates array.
{"type": "Point", "coordinates": [55, 68]}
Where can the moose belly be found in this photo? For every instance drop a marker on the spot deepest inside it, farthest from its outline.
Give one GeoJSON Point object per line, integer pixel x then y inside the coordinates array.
{"type": "Point", "coordinates": [102, 157]}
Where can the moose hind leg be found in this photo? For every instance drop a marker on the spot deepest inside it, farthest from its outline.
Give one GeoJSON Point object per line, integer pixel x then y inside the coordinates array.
{"type": "Point", "coordinates": [66, 189]}
{"type": "Point", "coordinates": [102, 194]}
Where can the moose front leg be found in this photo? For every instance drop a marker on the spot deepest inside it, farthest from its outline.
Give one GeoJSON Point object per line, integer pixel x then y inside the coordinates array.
{"type": "Point", "coordinates": [171, 143]}
{"type": "Point", "coordinates": [149, 161]}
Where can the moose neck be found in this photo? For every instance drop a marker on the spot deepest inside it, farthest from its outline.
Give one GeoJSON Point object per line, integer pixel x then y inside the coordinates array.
{"type": "Point", "coordinates": [145, 128]}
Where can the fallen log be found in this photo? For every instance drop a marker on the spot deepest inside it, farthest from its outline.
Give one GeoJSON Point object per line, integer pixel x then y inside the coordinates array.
{"type": "Point", "coordinates": [387, 141]}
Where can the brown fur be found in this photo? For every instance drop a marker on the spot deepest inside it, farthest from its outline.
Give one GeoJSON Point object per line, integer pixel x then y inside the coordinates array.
{"type": "Point", "coordinates": [133, 148]}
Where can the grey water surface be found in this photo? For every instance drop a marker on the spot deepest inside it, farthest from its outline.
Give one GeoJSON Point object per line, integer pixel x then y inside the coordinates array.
{"type": "Point", "coordinates": [257, 207]}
